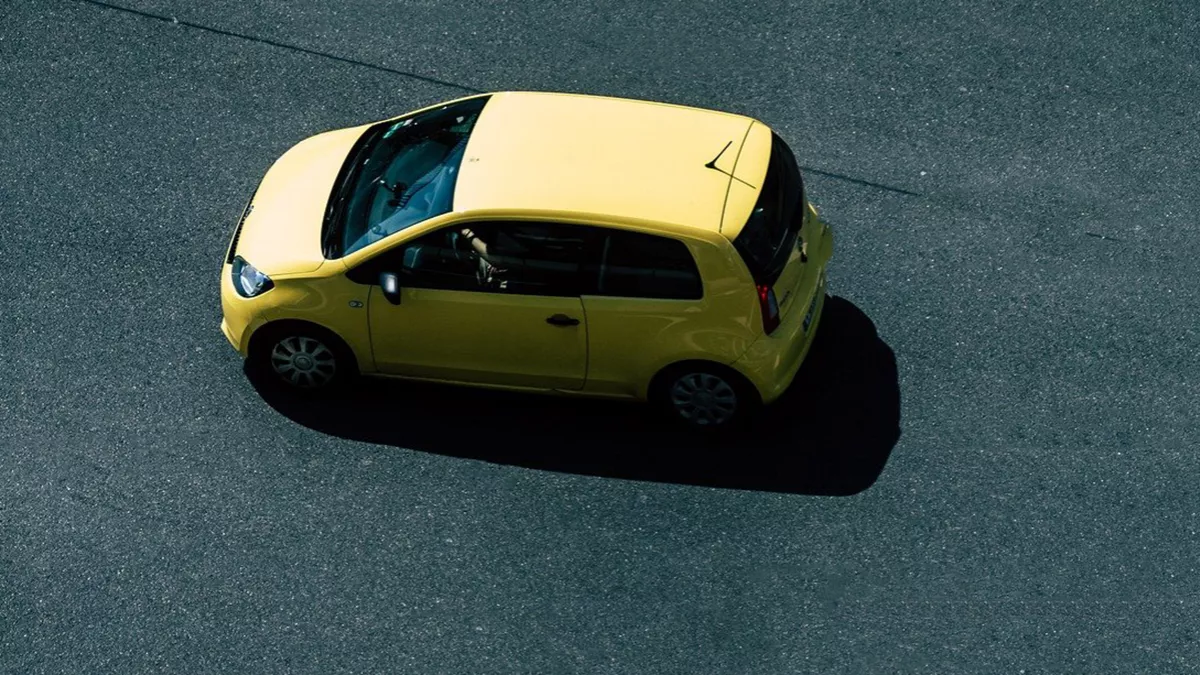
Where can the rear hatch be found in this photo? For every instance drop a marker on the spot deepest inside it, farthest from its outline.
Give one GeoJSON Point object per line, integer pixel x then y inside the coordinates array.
{"type": "Point", "coordinates": [772, 239]}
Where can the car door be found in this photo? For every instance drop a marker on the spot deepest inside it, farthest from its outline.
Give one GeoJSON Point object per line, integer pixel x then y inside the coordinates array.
{"type": "Point", "coordinates": [517, 321]}
{"type": "Point", "coordinates": [645, 304]}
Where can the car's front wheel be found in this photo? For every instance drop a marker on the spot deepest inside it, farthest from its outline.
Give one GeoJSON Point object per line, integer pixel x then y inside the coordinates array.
{"type": "Point", "coordinates": [705, 396]}
{"type": "Point", "coordinates": [302, 358]}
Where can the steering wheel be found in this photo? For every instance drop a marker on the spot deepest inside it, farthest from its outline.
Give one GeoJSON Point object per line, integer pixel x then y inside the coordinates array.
{"type": "Point", "coordinates": [457, 244]}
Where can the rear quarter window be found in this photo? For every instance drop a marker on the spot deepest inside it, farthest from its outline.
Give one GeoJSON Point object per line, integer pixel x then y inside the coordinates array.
{"type": "Point", "coordinates": [638, 265]}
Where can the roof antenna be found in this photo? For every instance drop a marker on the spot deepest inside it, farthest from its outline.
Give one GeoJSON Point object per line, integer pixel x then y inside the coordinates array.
{"type": "Point", "coordinates": [713, 165]}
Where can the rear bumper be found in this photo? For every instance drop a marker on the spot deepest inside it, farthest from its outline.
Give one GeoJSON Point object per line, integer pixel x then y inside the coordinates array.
{"type": "Point", "coordinates": [773, 360]}
{"type": "Point", "coordinates": [772, 363]}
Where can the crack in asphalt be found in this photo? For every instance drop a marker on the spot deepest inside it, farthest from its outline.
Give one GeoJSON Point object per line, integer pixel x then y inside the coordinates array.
{"type": "Point", "coordinates": [403, 73]}
{"type": "Point", "coordinates": [282, 45]}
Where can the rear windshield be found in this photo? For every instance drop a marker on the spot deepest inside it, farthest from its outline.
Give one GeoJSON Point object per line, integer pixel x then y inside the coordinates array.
{"type": "Point", "coordinates": [766, 241]}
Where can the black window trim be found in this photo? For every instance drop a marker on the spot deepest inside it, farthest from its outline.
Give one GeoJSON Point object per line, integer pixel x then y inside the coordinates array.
{"type": "Point", "coordinates": [362, 274]}
{"type": "Point", "coordinates": [596, 243]}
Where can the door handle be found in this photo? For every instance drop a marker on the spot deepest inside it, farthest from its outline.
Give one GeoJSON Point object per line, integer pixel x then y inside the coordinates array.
{"type": "Point", "coordinates": [562, 320]}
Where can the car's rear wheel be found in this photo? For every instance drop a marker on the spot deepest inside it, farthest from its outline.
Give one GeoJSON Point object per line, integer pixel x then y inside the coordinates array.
{"type": "Point", "coordinates": [302, 357]}
{"type": "Point", "coordinates": [705, 395]}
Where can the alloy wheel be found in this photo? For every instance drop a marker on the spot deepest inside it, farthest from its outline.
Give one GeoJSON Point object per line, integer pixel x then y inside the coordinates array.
{"type": "Point", "coordinates": [303, 362]}
{"type": "Point", "coordinates": [704, 399]}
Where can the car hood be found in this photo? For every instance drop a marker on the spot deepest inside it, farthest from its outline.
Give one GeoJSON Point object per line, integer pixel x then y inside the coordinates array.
{"type": "Point", "coordinates": [282, 233]}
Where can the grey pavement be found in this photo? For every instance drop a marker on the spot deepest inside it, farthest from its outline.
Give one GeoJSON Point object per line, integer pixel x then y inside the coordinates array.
{"type": "Point", "coordinates": [1013, 187]}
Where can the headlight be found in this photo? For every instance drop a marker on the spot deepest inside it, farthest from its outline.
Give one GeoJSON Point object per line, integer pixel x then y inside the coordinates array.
{"type": "Point", "coordinates": [248, 281]}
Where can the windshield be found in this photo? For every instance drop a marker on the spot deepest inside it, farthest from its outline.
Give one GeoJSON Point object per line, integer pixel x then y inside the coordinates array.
{"type": "Point", "coordinates": [769, 235]}
{"type": "Point", "coordinates": [401, 173]}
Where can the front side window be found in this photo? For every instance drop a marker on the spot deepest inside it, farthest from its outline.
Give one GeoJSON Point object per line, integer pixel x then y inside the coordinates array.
{"type": "Point", "coordinates": [520, 258]}
{"type": "Point", "coordinates": [638, 265]}
{"type": "Point", "coordinates": [400, 174]}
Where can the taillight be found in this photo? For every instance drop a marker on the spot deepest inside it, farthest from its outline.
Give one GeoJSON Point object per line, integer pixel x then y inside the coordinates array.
{"type": "Point", "coordinates": [769, 306]}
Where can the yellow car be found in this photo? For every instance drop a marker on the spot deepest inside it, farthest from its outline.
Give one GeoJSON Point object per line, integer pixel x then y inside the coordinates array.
{"type": "Point", "coordinates": [573, 244]}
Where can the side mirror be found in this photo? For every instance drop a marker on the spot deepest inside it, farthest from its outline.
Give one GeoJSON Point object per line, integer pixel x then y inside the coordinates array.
{"type": "Point", "coordinates": [390, 283]}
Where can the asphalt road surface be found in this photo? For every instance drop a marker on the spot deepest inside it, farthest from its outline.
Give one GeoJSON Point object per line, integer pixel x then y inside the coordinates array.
{"type": "Point", "coordinates": [990, 465]}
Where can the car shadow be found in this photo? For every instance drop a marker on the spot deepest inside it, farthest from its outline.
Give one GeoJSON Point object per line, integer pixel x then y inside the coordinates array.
{"type": "Point", "coordinates": [830, 434]}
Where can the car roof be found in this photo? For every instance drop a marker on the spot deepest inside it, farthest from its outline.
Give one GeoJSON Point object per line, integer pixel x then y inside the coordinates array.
{"type": "Point", "coordinates": [601, 157]}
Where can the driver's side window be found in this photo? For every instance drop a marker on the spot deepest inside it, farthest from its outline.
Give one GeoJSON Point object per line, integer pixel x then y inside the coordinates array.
{"type": "Point", "coordinates": [511, 257]}
{"type": "Point", "coordinates": [437, 260]}
{"type": "Point", "coordinates": [432, 261]}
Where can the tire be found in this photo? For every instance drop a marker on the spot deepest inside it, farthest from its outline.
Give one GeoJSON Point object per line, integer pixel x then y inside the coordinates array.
{"type": "Point", "coordinates": [705, 396]}
{"type": "Point", "coordinates": [302, 358]}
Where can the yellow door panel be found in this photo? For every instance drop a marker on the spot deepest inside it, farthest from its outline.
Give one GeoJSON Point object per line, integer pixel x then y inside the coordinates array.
{"type": "Point", "coordinates": [486, 338]}
{"type": "Point", "coordinates": [631, 338]}
{"type": "Point", "coordinates": [659, 301]}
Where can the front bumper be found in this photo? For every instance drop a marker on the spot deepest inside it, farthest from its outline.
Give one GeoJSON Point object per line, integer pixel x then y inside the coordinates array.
{"type": "Point", "coordinates": [233, 340]}
{"type": "Point", "coordinates": [238, 316]}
